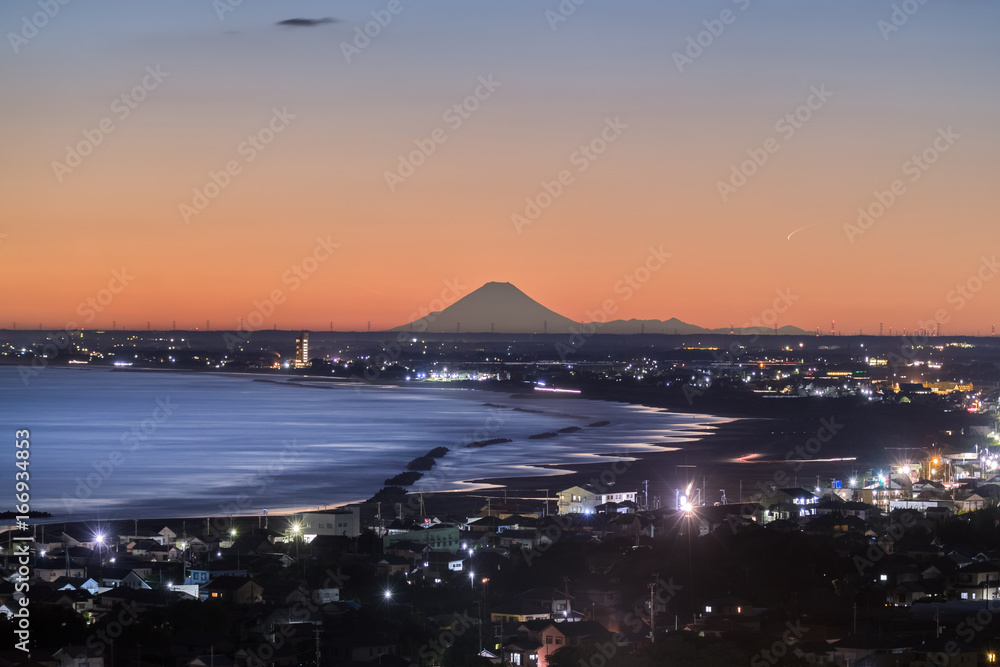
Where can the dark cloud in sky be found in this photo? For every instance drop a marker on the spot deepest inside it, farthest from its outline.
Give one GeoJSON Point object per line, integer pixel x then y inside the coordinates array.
{"type": "Point", "coordinates": [306, 23]}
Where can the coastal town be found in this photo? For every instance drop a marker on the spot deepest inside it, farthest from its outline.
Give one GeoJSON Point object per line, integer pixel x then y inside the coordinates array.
{"type": "Point", "coordinates": [849, 518]}
{"type": "Point", "coordinates": [500, 334]}
{"type": "Point", "coordinates": [893, 564]}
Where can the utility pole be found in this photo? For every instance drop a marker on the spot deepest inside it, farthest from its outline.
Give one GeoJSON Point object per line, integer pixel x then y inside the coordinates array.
{"type": "Point", "coordinates": [652, 612]}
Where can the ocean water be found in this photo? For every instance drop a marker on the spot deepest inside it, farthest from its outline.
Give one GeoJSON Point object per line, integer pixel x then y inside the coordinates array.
{"type": "Point", "coordinates": [135, 444]}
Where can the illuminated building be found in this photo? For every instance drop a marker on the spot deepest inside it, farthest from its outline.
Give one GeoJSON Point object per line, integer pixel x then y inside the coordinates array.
{"type": "Point", "coordinates": [302, 350]}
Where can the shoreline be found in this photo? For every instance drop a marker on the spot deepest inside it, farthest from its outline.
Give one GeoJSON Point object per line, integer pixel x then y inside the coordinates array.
{"type": "Point", "coordinates": [742, 431]}
{"type": "Point", "coordinates": [548, 475]}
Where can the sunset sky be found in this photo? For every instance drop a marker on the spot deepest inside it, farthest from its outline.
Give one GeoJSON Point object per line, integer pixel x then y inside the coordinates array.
{"type": "Point", "coordinates": [331, 114]}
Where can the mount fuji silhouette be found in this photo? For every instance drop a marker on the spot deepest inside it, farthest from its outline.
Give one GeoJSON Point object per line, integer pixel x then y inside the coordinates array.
{"type": "Point", "coordinates": [502, 308]}
{"type": "Point", "coordinates": [496, 307]}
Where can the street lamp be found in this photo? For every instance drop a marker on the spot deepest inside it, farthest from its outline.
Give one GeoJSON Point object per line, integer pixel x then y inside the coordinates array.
{"type": "Point", "coordinates": [295, 534]}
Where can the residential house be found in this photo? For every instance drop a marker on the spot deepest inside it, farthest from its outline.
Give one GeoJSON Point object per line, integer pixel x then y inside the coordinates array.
{"type": "Point", "coordinates": [521, 652]}
{"type": "Point", "coordinates": [906, 593]}
{"type": "Point", "coordinates": [115, 577]}
{"type": "Point", "coordinates": [520, 610]}
{"type": "Point", "coordinates": [559, 603]}
{"type": "Point", "coordinates": [978, 581]}
{"type": "Point", "coordinates": [344, 522]}
{"type": "Point", "coordinates": [391, 566]}
{"type": "Point", "coordinates": [90, 584]}
{"type": "Point", "coordinates": [80, 601]}
{"type": "Point", "coordinates": [436, 538]}
{"type": "Point", "coordinates": [238, 590]}
{"type": "Point", "coordinates": [864, 511]}
{"type": "Point", "coordinates": [585, 499]}
{"type": "Point", "coordinates": [789, 503]}
{"type": "Point", "coordinates": [167, 536]}
{"type": "Point", "coordinates": [557, 635]}
{"type": "Point", "coordinates": [50, 569]}
{"type": "Point", "coordinates": [199, 576]}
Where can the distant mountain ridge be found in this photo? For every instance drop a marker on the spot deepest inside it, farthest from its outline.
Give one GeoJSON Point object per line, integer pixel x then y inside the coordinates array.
{"type": "Point", "coordinates": [500, 307]}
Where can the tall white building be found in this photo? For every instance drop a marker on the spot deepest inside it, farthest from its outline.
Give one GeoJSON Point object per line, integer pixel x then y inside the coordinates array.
{"type": "Point", "coordinates": [302, 350]}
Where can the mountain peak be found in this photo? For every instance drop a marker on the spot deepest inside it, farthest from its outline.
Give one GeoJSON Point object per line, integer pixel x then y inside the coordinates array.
{"type": "Point", "coordinates": [498, 307]}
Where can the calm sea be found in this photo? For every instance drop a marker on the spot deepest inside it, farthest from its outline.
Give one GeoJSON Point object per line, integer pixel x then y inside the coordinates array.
{"type": "Point", "coordinates": [132, 444]}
